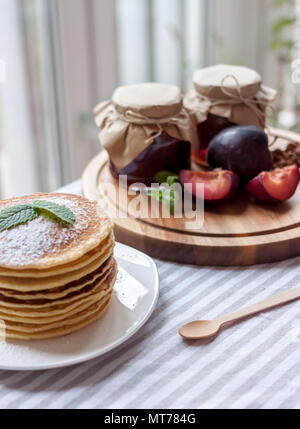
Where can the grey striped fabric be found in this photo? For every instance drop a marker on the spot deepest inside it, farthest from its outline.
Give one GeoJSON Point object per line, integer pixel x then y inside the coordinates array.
{"type": "Point", "coordinates": [254, 364]}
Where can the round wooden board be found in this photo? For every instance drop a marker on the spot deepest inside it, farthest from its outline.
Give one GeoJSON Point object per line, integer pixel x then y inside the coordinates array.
{"type": "Point", "coordinates": [237, 233]}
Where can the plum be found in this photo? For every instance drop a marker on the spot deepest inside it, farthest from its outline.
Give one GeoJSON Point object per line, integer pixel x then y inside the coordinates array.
{"type": "Point", "coordinates": [242, 149]}
{"type": "Point", "coordinates": [219, 185]}
{"type": "Point", "coordinates": [277, 185]}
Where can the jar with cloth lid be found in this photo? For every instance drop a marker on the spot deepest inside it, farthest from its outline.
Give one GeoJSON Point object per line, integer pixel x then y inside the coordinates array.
{"type": "Point", "coordinates": [145, 129]}
{"type": "Point", "coordinates": [223, 96]}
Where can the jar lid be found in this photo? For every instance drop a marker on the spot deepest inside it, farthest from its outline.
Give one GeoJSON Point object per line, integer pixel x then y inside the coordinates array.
{"type": "Point", "coordinates": [153, 100]}
{"type": "Point", "coordinates": [219, 81]}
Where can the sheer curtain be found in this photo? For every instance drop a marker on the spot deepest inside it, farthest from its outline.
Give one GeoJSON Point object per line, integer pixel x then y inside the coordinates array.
{"type": "Point", "coordinates": [160, 40]}
{"type": "Point", "coordinates": [62, 57]}
{"type": "Point", "coordinates": [17, 154]}
{"type": "Point", "coordinates": [32, 158]}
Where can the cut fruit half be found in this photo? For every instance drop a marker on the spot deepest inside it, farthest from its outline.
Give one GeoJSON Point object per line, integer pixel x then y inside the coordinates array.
{"type": "Point", "coordinates": [219, 185]}
{"type": "Point", "coordinates": [277, 185]}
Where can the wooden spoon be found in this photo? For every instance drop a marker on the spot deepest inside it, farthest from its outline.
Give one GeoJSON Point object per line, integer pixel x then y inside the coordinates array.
{"type": "Point", "coordinates": [203, 329]}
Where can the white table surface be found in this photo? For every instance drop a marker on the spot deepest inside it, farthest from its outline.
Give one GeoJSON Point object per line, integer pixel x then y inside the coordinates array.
{"type": "Point", "coordinates": [255, 364]}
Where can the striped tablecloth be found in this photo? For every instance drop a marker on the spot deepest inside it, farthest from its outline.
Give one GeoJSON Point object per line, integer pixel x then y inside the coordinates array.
{"type": "Point", "coordinates": [255, 364]}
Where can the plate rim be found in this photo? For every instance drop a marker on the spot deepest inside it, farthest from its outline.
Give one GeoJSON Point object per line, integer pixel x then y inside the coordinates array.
{"type": "Point", "coordinates": [97, 353]}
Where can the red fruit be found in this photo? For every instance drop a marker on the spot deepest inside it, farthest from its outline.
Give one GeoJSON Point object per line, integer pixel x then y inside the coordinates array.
{"type": "Point", "coordinates": [219, 185]}
{"type": "Point", "coordinates": [277, 185]}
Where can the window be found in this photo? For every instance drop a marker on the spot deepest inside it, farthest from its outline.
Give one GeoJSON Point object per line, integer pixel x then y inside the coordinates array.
{"type": "Point", "coordinates": [58, 59]}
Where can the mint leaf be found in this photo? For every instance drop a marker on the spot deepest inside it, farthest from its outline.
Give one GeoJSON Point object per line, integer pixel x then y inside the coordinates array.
{"type": "Point", "coordinates": [167, 196]}
{"type": "Point", "coordinates": [59, 212]}
{"type": "Point", "coordinates": [172, 179]}
{"type": "Point", "coordinates": [162, 176]}
{"type": "Point", "coordinates": [16, 215]}
{"type": "Point", "coordinates": [22, 213]}
{"type": "Point", "coordinates": [155, 194]}
{"type": "Point", "coordinates": [169, 199]}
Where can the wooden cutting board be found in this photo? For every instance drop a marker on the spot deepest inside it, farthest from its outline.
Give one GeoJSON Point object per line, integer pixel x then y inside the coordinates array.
{"type": "Point", "coordinates": [236, 233]}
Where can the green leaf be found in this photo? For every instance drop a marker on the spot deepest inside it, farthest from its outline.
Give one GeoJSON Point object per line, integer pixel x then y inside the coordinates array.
{"type": "Point", "coordinates": [156, 194]}
{"type": "Point", "coordinates": [281, 44]}
{"type": "Point", "coordinates": [162, 176]}
{"type": "Point", "coordinates": [169, 199]}
{"type": "Point", "coordinates": [281, 23]}
{"type": "Point", "coordinates": [167, 196]}
{"type": "Point", "coordinates": [16, 215]}
{"type": "Point", "coordinates": [282, 2]}
{"type": "Point", "coordinates": [59, 212]}
{"type": "Point", "coordinates": [172, 179]}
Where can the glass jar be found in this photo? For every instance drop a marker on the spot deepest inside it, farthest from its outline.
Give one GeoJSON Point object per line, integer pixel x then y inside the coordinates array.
{"type": "Point", "coordinates": [206, 131]}
{"type": "Point", "coordinates": [224, 96]}
{"type": "Point", "coordinates": [145, 129]}
{"type": "Point", "coordinates": [165, 154]}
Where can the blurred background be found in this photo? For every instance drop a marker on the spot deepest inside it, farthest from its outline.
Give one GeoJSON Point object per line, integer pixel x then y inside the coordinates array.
{"type": "Point", "coordinates": [59, 58]}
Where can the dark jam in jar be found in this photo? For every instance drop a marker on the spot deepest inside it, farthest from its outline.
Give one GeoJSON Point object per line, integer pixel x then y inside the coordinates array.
{"type": "Point", "coordinates": [206, 132]}
{"type": "Point", "coordinates": [165, 154]}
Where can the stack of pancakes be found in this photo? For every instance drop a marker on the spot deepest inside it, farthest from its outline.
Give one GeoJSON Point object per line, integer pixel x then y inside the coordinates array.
{"type": "Point", "coordinates": [54, 278]}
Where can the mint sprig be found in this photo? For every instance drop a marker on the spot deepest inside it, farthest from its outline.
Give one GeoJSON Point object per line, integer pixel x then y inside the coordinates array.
{"type": "Point", "coordinates": [155, 194]}
{"type": "Point", "coordinates": [166, 177]}
{"type": "Point", "coordinates": [162, 176]}
{"type": "Point", "coordinates": [172, 179]}
{"type": "Point", "coordinates": [10, 217]}
{"type": "Point", "coordinates": [58, 212]}
{"type": "Point", "coordinates": [16, 215]}
{"type": "Point", "coordinates": [165, 194]}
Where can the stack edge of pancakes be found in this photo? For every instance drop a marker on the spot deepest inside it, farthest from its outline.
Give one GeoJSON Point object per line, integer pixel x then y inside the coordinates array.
{"type": "Point", "coordinates": [55, 278]}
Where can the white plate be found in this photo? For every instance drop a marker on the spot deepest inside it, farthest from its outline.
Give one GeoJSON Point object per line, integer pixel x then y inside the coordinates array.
{"type": "Point", "coordinates": [135, 297]}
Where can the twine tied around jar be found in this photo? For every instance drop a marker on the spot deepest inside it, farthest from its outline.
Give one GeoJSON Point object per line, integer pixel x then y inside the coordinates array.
{"type": "Point", "coordinates": [132, 117]}
{"type": "Point", "coordinates": [125, 133]}
{"type": "Point", "coordinates": [238, 98]}
{"type": "Point", "coordinates": [250, 102]}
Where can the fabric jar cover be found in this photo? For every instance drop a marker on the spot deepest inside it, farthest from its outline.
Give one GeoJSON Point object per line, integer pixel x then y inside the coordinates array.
{"type": "Point", "coordinates": [136, 115]}
{"type": "Point", "coordinates": [233, 92]}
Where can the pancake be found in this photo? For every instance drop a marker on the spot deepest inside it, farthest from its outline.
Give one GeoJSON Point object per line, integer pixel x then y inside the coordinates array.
{"type": "Point", "coordinates": [88, 291]}
{"type": "Point", "coordinates": [44, 243]}
{"type": "Point", "coordinates": [23, 330]}
{"type": "Point", "coordinates": [61, 291]}
{"type": "Point", "coordinates": [62, 269]}
{"type": "Point", "coordinates": [55, 278]}
{"type": "Point", "coordinates": [70, 320]}
{"type": "Point", "coordinates": [43, 319]}
{"type": "Point", "coordinates": [63, 330]}
{"type": "Point", "coordinates": [47, 283]}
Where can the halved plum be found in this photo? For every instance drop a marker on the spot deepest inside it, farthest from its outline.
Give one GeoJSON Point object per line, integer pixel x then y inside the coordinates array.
{"type": "Point", "coordinates": [219, 185]}
{"type": "Point", "coordinates": [277, 185]}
